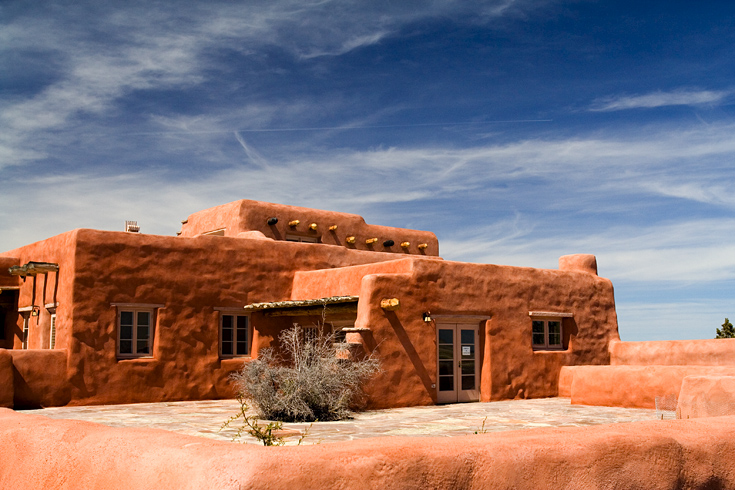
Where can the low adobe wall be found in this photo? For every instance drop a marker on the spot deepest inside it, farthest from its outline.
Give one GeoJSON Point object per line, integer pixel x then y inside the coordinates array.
{"type": "Point", "coordinates": [707, 396]}
{"type": "Point", "coordinates": [713, 352]}
{"type": "Point", "coordinates": [39, 378]}
{"type": "Point", "coordinates": [67, 454]}
{"type": "Point", "coordinates": [632, 386]}
{"type": "Point", "coordinates": [6, 379]}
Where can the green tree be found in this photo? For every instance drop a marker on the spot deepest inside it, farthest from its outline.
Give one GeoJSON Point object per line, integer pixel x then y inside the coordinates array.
{"type": "Point", "coordinates": [727, 331]}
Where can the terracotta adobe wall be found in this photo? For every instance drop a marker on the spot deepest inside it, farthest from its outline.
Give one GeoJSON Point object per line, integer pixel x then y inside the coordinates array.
{"type": "Point", "coordinates": [8, 300]}
{"type": "Point", "coordinates": [247, 216]}
{"type": "Point", "coordinates": [706, 396]}
{"type": "Point", "coordinates": [641, 371]}
{"type": "Point", "coordinates": [6, 280]}
{"type": "Point", "coordinates": [345, 281]}
{"type": "Point", "coordinates": [7, 388]}
{"type": "Point", "coordinates": [39, 378]}
{"type": "Point", "coordinates": [711, 352]}
{"type": "Point", "coordinates": [662, 455]}
{"type": "Point", "coordinates": [190, 278]}
{"type": "Point", "coordinates": [633, 386]}
{"type": "Point", "coordinates": [501, 296]}
{"type": "Point", "coordinates": [45, 289]}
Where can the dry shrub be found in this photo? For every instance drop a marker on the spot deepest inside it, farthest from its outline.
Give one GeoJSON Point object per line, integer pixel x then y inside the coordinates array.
{"type": "Point", "coordinates": [308, 382]}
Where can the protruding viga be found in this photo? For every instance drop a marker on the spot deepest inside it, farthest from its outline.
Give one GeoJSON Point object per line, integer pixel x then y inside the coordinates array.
{"type": "Point", "coordinates": [390, 304]}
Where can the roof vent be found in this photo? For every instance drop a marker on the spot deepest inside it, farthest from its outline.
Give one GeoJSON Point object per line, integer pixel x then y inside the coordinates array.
{"type": "Point", "coordinates": [132, 226]}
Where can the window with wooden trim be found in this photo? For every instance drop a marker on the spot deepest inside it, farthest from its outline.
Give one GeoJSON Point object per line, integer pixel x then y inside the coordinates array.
{"type": "Point", "coordinates": [546, 333]}
{"type": "Point", "coordinates": [303, 239]}
{"type": "Point", "coordinates": [135, 332]}
{"type": "Point", "coordinates": [25, 334]}
{"type": "Point", "coordinates": [234, 335]}
{"type": "Point", "coordinates": [52, 332]}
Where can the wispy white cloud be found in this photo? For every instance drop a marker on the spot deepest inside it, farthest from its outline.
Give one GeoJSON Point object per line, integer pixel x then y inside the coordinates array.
{"type": "Point", "coordinates": [135, 46]}
{"type": "Point", "coordinates": [660, 99]}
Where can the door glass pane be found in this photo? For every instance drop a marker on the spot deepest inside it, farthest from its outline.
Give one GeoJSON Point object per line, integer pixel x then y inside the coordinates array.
{"type": "Point", "coordinates": [446, 336]}
{"type": "Point", "coordinates": [468, 382]}
{"type": "Point", "coordinates": [126, 347]}
{"type": "Point", "coordinates": [446, 383]}
{"type": "Point", "coordinates": [446, 352]}
{"type": "Point", "coordinates": [468, 367]}
{"type": "Point", "coordinates": [468, 352]}
{"type": "Point", "coordinates": [468, 337]}
{"type": "Point", "coordinates": [446, 368]}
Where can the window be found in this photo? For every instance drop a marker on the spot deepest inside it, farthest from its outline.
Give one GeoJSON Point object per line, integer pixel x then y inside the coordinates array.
{"type": "Point", "coordinates": [52, 334]}
{"type": "Point", "coordinates": [310, 334]}
{"type": "Point", "coordinates": [546, 333]}
{"type": "Point", "coordinates": [234, 335]}
{"type": "Point", "coordinates": [26, 322]}
{"type": "Point", "coordinates": [135, 332]}
{"type": "Point", "coordinates": [302, 239]}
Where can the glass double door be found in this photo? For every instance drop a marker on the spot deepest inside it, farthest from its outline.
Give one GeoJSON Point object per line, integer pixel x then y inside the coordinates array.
{"type": "Point", "coordinates": [458, 366]}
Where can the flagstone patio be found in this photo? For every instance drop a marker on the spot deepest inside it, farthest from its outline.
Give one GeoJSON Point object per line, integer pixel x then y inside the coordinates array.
{"type": "Point", "coordinates": [205, 418]}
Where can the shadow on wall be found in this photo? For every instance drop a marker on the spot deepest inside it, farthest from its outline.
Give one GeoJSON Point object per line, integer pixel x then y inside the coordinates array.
{"type": "Point", "coordinates": [411, 352]}
{"type": "Point", "coordinates": [39, 378]}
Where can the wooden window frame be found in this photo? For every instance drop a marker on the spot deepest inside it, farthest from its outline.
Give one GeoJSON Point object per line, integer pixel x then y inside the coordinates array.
{"type": "Point", "coordinates": [152, 317]}
{"type": "Point", "coordinates": [52, 332]}
{"type": "Point", "coordinates": [546, 345]}
{"type": "Point", "coordinates": [26, 331]}
{"type": "Point", "coordinates": [235, 315]}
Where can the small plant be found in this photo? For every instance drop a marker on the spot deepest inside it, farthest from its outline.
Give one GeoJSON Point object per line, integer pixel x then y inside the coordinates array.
{"type": "Point", "coordinates": [250, 425]}
{"type": "Point", "coordinates": [482, 429]}
{"type": "Point", "coordinates": [310, 381]}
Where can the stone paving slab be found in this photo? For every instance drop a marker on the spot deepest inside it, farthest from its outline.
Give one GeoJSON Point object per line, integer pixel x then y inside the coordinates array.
{"type": "Point", "coordinates": [205, 418]}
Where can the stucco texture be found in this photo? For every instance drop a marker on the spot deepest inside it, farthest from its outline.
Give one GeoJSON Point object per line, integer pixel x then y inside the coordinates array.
{"type": "Point", "coordinates": [633, 386]}
{"type": "Point", "coordinates": [707, 396]}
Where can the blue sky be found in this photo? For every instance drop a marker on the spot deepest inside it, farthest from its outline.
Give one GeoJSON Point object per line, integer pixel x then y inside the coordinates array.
{"type": "Point", "coordinates": [517, 131]}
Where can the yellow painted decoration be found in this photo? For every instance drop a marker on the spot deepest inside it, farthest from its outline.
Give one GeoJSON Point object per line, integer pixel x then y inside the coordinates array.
{"type": "Point", "coordinates": [350, 239]}
{"type": "Point", "coordinates": [333, 227]}
{"type": "Point", "coordinates": [371, 240]}
{"type": "Point", "coordinates": [422, 246]}
{"type": "Point", "coordinates": [405, 244]}
{"type": "Point", "coordinates": [390, 304]}
{"type": "Point", "coordinates": [312, 226]}
{"type": "Point", "coordinates": [293, 223]}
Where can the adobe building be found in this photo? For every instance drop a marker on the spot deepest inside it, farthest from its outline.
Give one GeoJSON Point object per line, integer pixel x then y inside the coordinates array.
{"type": "Point", "coordinates": [102, 317]}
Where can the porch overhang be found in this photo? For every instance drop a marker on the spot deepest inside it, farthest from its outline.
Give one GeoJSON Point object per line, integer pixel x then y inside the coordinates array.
{"type": "Point", "coordinates": [307, 307]}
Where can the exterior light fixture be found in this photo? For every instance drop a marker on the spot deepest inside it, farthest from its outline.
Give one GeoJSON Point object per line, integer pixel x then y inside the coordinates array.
{"type": "Point", "coordinates": [422, 246]}
{"type": "Point", "coordinates": [272, 221]}
{"type": "Point", "coordinates": [313, 226]}
{"type": "Point", "coordinates": [388, 243]}
{"type": "Point", "coordinates": [405, 244]}
{"type": "Point", "coordinates": [333, 228]}
{"type": "Point", "coordinates": [293, 223]}
{"type": "Point", "coordinates": [350, 239]}
{"type": "Point", "coordinates": [427, 316]}
{"type": "Point", "coordinates": [370, 241]}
